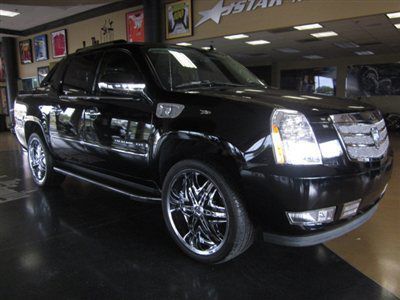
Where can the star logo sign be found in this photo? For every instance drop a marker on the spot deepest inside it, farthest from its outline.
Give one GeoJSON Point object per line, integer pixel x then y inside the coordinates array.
{"type": "Point", "coordinates": [214, 13]}
{"type": "Point", "coordinates": [219, 10]}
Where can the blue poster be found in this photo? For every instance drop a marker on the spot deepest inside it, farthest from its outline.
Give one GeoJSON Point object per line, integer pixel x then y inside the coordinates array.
{"type": "Point", "coordinates": [40, 46]}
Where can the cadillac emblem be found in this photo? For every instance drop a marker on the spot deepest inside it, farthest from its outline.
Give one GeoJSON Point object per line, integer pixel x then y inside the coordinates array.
{"type": "Point", "coordinates": [375, 136]}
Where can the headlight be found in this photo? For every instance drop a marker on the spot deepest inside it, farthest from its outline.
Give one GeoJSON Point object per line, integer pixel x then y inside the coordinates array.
{"type": "Point", "coordinates": [293, 139]}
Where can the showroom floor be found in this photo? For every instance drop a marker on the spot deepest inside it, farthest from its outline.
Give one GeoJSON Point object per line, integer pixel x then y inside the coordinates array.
{"type": "Point", "coordinates": [82, 242]}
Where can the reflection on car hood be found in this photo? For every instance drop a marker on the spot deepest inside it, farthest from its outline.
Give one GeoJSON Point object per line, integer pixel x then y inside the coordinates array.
{"type": "Point", "coordinates": [308, 104]}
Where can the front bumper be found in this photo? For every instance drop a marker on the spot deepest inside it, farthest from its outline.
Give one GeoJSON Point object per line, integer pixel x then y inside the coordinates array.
{"type": "Point", "coordinates": [321, 237]}
{"type": "Point", "coordinates": [270, 195]}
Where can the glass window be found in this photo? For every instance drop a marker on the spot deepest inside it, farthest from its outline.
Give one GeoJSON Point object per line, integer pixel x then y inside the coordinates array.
{"type": "Point", "coordinates": [53, 78]}
{"type": "Point", "coordinates": [119, 74]}
{"type": "Point", "coordinates": [179, 68]}
{"type": "Point", "coordinates": [80, 73]}
{"type": "Point", "coordinates": [313, 81]}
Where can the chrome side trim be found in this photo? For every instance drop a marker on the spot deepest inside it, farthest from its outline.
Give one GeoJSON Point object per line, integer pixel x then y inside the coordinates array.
{"type": "Point", "coordinates": [106, 186]}
{"type": "Point", "coordinates": [99, 146]}
{"type": "Point", "coordinates": [113, 149]}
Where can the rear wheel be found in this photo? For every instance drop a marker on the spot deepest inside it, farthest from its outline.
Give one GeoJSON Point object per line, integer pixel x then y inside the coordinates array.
{"type": "Point", "coordinates": [204, 213]}
{"type": "Point", "coordinates": [41, 163]}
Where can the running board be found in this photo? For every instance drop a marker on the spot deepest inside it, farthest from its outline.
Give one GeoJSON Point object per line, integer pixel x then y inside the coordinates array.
{"type": "Point", "coordinates": [106, 186]}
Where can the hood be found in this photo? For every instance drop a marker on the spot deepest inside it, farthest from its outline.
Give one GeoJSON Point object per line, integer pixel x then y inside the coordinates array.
{"type": "Point", "coordinates": [315, 105]}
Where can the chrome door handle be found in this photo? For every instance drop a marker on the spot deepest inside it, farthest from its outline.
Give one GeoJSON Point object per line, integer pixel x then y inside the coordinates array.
{"type": "Point", "coordinates": [92, 112]}
{"type": "Point", "coordinates": [57, 109]}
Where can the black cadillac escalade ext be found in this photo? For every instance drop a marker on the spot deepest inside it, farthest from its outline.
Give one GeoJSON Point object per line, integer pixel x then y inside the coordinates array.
{"type": "Point", "coordinates": [225, 155]}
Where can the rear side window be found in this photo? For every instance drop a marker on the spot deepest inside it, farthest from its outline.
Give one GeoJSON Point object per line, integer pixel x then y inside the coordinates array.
{"type": "Point", "coordinates": [80, 73]}
{"type": "Point", "coordinates": [119, 74]}
{"type": "Point", "coordinates": [54, 77]}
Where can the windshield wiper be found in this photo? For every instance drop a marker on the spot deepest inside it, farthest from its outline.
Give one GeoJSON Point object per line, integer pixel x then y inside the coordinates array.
{"type": "Point", "coordinates": [207, 83]}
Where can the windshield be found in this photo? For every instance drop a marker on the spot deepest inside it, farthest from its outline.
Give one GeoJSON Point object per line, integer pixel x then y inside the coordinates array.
{"type": "Point", "coordinates": [179, 68]}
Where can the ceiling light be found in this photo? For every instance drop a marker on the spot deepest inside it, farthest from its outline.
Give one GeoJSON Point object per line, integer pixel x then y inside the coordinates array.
{"type": "Point", "coordinates": [236, 36]}
{"type": "Point", "coordinates": [312, 97]}
{"type": "Point", "coordinates": [258, 42]}
{"type": "Point", "coordinates": [288, 50]}
{"type": "Point", "coordinates": [397, 26]}
{"type": "Point", "coordinates": [394, 15]}
{"type": "Point", "coordinates": [324, 34]}
{"type": "Point", "coordinates": [313, 57]}
{"type": "Point", "coordinates": [347, 45]}
{"type": "Point", "coordinates": [364, 53]}
{"type": "Point", "coordinates": [294, 97]}
{"type": "Point", "coordinates": [184, 44]}
{"type": "Point", "coordinates": [308, 26]}
{"type": "Point", "coordinates": [7, 13]}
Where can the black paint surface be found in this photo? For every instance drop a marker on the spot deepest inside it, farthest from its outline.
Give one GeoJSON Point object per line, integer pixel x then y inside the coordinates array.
{"type": "Point", "coordinates": [81, 242]}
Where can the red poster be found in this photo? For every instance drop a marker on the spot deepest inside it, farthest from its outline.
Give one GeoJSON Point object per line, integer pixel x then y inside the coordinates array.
{"type": "Point", "coordinates": [59, 43]}
{"type": "Point", "coordinates": [135, 26]}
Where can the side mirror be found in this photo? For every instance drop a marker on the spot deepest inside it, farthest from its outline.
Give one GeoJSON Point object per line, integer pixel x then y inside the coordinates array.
{"type": "Point", "coordinates": [120, 83]}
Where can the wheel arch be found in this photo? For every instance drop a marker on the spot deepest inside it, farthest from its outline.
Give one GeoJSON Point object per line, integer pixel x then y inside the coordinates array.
{"type": "Point", "coordinates": [176, 146]}
{"type": "Point", "coordinates": [33, 125]}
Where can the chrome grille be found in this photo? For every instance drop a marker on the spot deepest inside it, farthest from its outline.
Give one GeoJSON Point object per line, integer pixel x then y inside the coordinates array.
{"type": "Point", "coordinates": [364, 135]}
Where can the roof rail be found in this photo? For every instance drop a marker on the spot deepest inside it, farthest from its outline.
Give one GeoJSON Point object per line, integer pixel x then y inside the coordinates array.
{"type": "Point", "coordinates": [99, 46]}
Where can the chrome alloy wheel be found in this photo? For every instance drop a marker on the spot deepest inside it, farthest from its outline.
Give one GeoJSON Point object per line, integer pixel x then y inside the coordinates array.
{"type": "Point", "coordinates": [197, 212]}
{"type": "Point", "coordinates": [37, 160]}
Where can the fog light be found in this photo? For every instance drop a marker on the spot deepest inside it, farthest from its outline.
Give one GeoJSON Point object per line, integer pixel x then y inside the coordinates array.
{"type": "Point", "coordinates": [312, 217]}
{"type": "Point", "coordinates": [350, 209]}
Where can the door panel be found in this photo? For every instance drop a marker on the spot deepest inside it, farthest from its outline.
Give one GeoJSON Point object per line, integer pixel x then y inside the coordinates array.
{"type": "Point", "coordinates": [119, 138]}
{"type": "Point", "coordinates": [118, 125]}
{"type": "Point", "coordinates": [67, 116]}
{"type": "Point", "coordinates": [66, 123]}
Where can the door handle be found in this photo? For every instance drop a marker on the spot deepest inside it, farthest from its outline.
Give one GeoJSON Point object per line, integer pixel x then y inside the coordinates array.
{"type": "Point", "coordinates": [57, 109]}
{"type": "Point", "coordinates": [93, 112]}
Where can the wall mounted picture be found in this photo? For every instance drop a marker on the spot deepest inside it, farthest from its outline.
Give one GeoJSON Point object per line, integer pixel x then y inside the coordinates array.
{"type": "Point", "coordinates": [59, 43]}
{"type": "Point", "coordinates": [3, 101]}
{"type": "Point", "coordinates": [135, 26]}
{"type": "Point", "coordinates": [178, 18]}
{"type": "Point", "coordinates": [42, 73]}
{"type": "Point", "coordinates": [2, 67]}
{"type": "Point", "coordinates": [40, 47]}
{"type": "Point", "coordinates": [373, 80]}
{"type": "Point", "coordinates": [25, 51]}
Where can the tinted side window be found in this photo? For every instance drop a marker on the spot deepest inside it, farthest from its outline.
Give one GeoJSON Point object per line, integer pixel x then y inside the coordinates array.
{"type": "Point", "coordinates": [80, 73]}
{"type": "Point", "coordinates": [54, 77]}
{"type": "Point", "coordinates": [119, 74]}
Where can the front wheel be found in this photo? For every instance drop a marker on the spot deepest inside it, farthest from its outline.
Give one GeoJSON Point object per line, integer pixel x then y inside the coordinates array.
{"type": "Point", "coordinates": [41, 163]}
{"type": "Point", "coordinates": [204, 212]}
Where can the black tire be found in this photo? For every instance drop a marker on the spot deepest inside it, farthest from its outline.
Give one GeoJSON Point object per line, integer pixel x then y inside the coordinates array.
{"type": "Point", "coordinates": [238, 230]}
{"type": "Point", "coordinates": [46, 176]}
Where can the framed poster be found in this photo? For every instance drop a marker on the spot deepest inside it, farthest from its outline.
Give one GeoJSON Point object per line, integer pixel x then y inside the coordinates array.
{"type": "Point", "coordinates": [59, 43]}
{"type": "Point", "coordinates": [373, 80]}
{"type": "Point", "coordinates": [42, 73]}
{"type": "Point", "coordinates": [25, 51]}
{"type": "Point", "coordinates": [40, 47]}
{"type": "Point", "coordinates": [2, 67]}
{"type": "Point", "coordinates": [3, 101]}
{"type": "Point", "coordinates": [178, 18]}
{"type": "Point", "coordinates": [135, 26]}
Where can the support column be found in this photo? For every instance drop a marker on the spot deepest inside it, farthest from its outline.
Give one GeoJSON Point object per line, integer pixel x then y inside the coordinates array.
{"type": "Point", "coordinates": [152, 19]}
{"type": "Point", "coordinates": [275, 75]}
{"type": "Point", "coordinates": [11, 69]}
{"type": "Point", "coordinates": [341, 77]}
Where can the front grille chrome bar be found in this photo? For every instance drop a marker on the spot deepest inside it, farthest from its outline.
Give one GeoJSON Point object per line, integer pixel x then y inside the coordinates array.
{"type": "Point", "coordinates": [363, 135]}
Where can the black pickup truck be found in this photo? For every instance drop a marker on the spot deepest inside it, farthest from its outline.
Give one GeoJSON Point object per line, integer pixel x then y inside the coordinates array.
{"type": "Point", "coordinates": [226, 156]}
